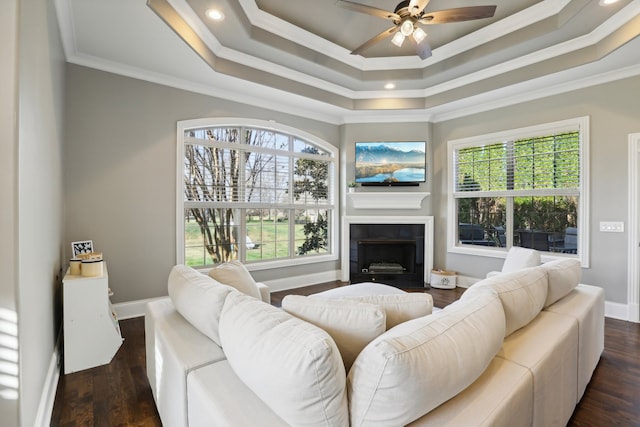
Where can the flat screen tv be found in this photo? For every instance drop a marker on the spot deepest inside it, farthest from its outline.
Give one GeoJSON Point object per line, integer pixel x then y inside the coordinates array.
{"type": "Point", "coordinates": [390, 163]}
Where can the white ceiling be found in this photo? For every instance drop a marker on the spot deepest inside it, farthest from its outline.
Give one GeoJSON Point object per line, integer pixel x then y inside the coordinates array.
{"type": "Point", "coordinates": [294, 56]}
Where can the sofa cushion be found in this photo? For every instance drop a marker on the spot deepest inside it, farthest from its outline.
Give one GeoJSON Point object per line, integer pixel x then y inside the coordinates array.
{"type": "Point", "coordinates": [198, 298]}
{"type": "Point", "coordinates": [218, 398]}
{"type": "Point", "coordinates": [548, 347]}
{"type": "Point", "coordinates": [416, 366]}
{"type": "Point", "coordinates": [401, 307]}
{"type": "Point", "coordinates": [236, 275]}
{"type": "Point", "coordinates": [519, 258]}
{"type": "Point", "coordinates": [501, 397]}
{"type": "Point", "coordinates": [585, 303]}
{"type": "Point", "coordinates": [359, 289]}
{"type": "Point", "coordinates": [563, 275]}
{"type": "Point", "coordinates": [522, 293]}
{"type": "Point", "coordinates": [174, 347]}
{"type": "Point", "coordinates": [292, 365]}
{"type": "Point", "coordinates": [351, 324]}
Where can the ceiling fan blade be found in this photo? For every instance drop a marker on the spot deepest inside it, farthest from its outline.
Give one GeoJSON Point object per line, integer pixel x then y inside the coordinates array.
{"type": "Point", "coordinates": [458, 14]}
{"type": "Point", "coordinates": [417, 6]}
{"type": "Point", "coordinates": [374, 40]}
{"type": "Point", "coordinates": [423, 49]}
{"type": "Point", "coordinates": [357, 7]}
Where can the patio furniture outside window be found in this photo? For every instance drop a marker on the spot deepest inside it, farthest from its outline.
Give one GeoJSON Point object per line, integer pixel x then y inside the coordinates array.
{"type": "Point", "coordinates": [524, 187]}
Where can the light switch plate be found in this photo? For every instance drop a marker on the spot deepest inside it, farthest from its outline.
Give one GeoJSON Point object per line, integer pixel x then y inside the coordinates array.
{"type": "Point", "coordinates": [612, 226]}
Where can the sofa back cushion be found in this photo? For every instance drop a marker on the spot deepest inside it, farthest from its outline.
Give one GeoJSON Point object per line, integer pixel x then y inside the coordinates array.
{"type": "Point", "coordinates": [293, 366]}
{"type": "Point", "coordinates": [519, 258]}
{"type": "Point", "coordinates": [563, 275]}
{"type": "Point", "coordinates": [416, 366]}
{"type": "Point", "coordinates": [235, 274]}
{"type": "Point", "coordinates": [522, 294]}
{"type": "Point", "coordinates": [351, 324]}
{"type": "Point", "coordinates": [399, 308]}
{"type": "Point", "coordinates": [198, 298]}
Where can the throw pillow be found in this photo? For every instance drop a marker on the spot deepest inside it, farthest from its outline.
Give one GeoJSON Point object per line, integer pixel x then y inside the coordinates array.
{"type": "Point", "coordinates": [235, 274]}
{"type": "Point", "coordinates": [416, 366]}
{"type": "Point", "coordinates": [519, 258]}
{"type": "Point", "coordinates": [564, 275]}
{"type": "Point", "coordinates": [292, 365]}
{"type": "Point", "coordinates": [198, 298]}
{"type": "Point", "coordinates": [351, 324]}
{"type": "Point", "coordinates": [399, 308]}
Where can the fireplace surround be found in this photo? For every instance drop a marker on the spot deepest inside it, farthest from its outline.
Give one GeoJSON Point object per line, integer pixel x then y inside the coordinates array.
{"type": "Point", "coordinates": [395, 250]}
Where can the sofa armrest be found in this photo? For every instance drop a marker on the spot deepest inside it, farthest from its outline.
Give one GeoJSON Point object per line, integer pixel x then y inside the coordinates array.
{"type": "Point", "coordinates": [265, 292]}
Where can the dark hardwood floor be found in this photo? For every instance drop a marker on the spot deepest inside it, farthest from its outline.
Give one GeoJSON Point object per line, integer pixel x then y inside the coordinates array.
{"type": "Point", "coordinates": [118, 394]}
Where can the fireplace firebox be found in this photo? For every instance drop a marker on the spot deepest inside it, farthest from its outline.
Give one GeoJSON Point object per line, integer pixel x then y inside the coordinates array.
{"type": "Point", "coordinates": [388, 253]}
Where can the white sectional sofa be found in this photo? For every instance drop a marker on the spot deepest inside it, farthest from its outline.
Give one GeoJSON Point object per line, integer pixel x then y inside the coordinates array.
{"type": "Point", "coordinates": [518, 349]}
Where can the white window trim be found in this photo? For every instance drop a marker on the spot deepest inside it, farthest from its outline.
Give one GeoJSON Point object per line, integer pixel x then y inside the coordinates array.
{"type": "Point", "coordinates": [580, 123]}
{"type": "Point", "coordinates": [184, 125]}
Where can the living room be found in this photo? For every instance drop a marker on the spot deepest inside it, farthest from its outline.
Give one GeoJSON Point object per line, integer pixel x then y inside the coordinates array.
{"type": "Point", "coordinates": [93, 156]}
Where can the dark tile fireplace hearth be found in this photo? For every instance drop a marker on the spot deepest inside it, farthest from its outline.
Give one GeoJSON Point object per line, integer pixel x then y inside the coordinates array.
{"type": "Point", "coordinates": [387, 253]}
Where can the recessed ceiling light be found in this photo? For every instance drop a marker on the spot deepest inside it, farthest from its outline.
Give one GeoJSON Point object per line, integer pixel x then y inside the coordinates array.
{"type": "Point", "coordinates": [215, 14]}
{"type": "Point", "coordinates": [390, 86]}
{"type": "Point", "coordinates": [607, 2]}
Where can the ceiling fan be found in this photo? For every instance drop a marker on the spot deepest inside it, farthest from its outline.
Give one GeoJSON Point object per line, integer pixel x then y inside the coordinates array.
{"type": "Point", "coordinates": [406, 17]}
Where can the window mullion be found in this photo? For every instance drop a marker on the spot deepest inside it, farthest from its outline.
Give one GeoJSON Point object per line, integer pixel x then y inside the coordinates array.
{"type": "Point", "coordinates": [509, 226]}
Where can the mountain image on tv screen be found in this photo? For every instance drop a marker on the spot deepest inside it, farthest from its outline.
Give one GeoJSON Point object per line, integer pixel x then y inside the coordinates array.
{"type": "Point", "coordinates": [390, 162]}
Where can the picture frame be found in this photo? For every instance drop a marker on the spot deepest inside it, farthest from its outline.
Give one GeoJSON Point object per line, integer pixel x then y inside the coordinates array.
{"type": "Point", "coordinates": [81, 247]}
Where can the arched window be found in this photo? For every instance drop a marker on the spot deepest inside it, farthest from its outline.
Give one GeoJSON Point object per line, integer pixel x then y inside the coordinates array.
{"type": "Point", "coordinates": [254, 191]}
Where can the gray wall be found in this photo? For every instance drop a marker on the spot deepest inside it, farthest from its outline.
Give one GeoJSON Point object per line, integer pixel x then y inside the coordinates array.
{"type": "Point", "coordinates": [31, 106]}
{"type": "Point", "coordinates": [120, 173]}
{"type": "Point", "coordinates": [8, 190]}
{"type": "Point", "coordinates": [613, 112]}
{"type": "Point", "coordinates": [352, 133]}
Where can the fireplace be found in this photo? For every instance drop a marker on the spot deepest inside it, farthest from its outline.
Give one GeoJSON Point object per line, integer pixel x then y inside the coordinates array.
{"type": "Point", "coordinates": [396, 251]}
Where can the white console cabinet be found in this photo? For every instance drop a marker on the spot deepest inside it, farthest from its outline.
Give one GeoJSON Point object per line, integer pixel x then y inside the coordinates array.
{"type": "Point", "coordinates": [91, 330]}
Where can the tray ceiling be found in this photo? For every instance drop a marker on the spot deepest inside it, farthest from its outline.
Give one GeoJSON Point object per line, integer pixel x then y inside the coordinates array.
{"type": "Point", "coordinates": [298, 52]}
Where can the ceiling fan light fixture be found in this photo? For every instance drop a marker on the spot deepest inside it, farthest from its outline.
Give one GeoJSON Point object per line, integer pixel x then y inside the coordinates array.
{"type": "Point", "coordinates": [397, 39]}
{"type": "Point", "coordinates": [419, 34]}
{"type": "Point", "coordinates": [406, 28]}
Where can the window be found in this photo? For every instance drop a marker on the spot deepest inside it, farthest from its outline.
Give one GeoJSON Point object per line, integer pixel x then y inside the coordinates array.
{"type": "Point", "coordinates": [525, 187]}
{"type": "Point", "coordinates": [255, 191]}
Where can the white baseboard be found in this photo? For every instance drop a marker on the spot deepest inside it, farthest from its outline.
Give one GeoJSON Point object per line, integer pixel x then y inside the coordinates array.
{"type": "Point", "coordinates": [48, 396]}
{"type": "Point", "coordinates": [634, 313]}
{"type": "Point", "coordinates": [466, 281]}
{"type": "Point", "coordinates": [131, 309]}
{"type": "Point", "coordinates": [300, 281]}
{"type": "Point", "coordinates": [616, 310]}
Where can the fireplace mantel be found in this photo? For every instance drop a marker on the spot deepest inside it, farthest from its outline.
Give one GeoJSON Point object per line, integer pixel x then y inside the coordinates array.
{"type": "Point", "coordinates": [387, 200]}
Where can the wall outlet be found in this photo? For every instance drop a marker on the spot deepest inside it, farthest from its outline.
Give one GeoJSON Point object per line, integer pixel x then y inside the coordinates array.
{"type": "Point", "coordinates": [612, 226]}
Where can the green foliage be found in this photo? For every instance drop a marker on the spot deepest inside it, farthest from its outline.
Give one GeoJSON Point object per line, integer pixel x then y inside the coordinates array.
{"type": "Point", "coordinates": [553, 214]}
{"type": "Point", "coordinates": [314, 183]}
{"type": "Point", "coordinates": [316, 236]}
{"type": "Point", "coordinates": [312, 177]}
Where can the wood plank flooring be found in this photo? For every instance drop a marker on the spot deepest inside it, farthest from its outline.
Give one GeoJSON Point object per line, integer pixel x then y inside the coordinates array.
{"type": "Point", "coordinates": [118, 394]}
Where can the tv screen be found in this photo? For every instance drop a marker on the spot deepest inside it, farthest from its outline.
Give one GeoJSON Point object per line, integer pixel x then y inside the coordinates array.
{"type": "Point", "coordinates": [389, 163]}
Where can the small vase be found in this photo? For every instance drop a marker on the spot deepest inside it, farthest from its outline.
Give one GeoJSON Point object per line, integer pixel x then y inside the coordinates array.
{"type": "Point", "coordinates": [352, 189]}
